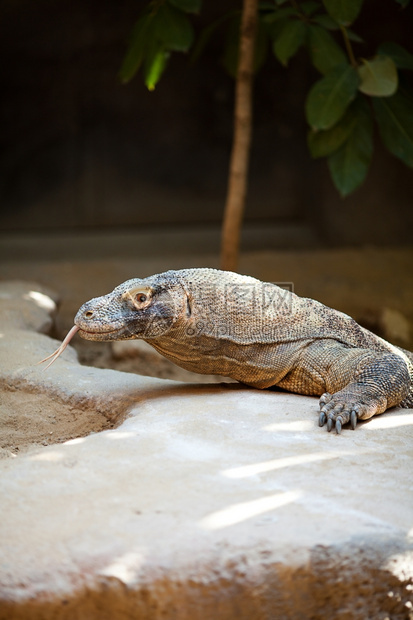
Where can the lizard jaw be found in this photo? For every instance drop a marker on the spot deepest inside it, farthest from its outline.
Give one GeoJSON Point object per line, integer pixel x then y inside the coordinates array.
{"type": "Point", "coordinates": [115, 334]}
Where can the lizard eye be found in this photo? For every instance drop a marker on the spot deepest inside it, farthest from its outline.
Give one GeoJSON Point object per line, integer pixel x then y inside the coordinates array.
{"type": "Point", "coordinates": [140, 298]}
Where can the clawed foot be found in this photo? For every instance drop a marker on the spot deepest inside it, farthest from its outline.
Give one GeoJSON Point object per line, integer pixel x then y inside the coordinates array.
{"type": "Point", "coordinates": [336, 412]}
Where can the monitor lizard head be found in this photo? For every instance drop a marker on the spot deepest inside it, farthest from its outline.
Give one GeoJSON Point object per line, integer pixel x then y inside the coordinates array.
{"type": "Point", "coordinates": [146, 309]}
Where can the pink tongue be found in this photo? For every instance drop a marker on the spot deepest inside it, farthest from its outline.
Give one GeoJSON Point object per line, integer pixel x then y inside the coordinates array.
{"type": "Point", "coordinates": [62, 347]}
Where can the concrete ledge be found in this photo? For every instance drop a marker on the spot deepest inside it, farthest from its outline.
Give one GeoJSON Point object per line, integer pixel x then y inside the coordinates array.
{"type": "Point", "coordinates": [205, 502]}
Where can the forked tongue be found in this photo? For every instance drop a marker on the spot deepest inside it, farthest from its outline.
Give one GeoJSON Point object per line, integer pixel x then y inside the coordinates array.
{"type": "Point", "coordinates": [60, 349]}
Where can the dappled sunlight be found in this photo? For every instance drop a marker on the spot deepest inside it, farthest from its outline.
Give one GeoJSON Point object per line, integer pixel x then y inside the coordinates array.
{"type": "Point", "coordinates": [125, 568]}
{"type": "Point", "coordinates": [119, 434]}
{"type": "Point", "coordinates": [1, 335]}
{"type": "Point", "coordinates": [74, 442]}
{"type": "Point", "coordinates": [289, 461]}
{"type": "Point", "coordinates": [293, 427]}
{"type": "Point", "coordinates": [391, 421]}
{"type": "Point", "coordinates": [401, 565]}
{"type": "Point", "coordinates": [47, 456]}
{"type": "Point", "coordinates": [42, 300]}
{"type": "Point", "coordinates": [246, 510]}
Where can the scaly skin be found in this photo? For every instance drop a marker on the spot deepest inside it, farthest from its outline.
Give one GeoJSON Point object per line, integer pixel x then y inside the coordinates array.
{"type": "Point", "coordinates": [217, 322]}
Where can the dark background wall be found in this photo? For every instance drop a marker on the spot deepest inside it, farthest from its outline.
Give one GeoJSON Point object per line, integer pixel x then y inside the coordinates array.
{"type": "Point", "coordinates": [81, 151]}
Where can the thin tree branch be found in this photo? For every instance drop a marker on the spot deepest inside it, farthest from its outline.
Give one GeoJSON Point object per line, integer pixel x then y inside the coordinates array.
{"type": "Point", "coordinates": [349, 49]}
{"type": "Point", "coordinates": [238, 173]}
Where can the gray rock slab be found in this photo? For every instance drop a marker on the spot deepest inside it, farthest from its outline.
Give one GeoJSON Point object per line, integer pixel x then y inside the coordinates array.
{"type": "Point", "coordinates": [205, 502]}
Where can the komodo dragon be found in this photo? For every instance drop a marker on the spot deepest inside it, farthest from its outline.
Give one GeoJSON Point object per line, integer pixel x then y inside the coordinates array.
{"type": "Point", "coordinates": [218, 322]}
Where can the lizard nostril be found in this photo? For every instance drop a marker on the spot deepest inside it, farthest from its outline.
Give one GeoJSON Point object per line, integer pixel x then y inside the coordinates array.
{"type": "Point", "coordinates": [89, 314]}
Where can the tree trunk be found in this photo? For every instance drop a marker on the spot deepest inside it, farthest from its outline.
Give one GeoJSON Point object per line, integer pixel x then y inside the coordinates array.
{"type": "Point", "coordinates": [238, 171]}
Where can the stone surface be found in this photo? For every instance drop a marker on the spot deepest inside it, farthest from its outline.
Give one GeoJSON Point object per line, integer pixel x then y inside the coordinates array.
{"type": "Point", "coordinates": [201, 502]}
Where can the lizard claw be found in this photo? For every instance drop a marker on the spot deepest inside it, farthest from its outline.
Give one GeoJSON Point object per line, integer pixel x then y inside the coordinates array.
{"type": "Point", "coordinates": [338, 425]}
{"type": "Point", "coordinates": [337, 413]}
{"type": "Point", "coordinates": [325, 398]}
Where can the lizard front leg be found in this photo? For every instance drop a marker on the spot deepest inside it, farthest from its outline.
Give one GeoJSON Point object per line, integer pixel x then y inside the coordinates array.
{"type": "Point", "coordinates": [380, 380]}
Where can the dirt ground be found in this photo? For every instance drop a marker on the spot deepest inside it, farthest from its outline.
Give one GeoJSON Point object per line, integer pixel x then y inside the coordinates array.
{"type": "Point", "coordinates": [376, 287]}
{"type": "Point", "coordinates": [32, 420]}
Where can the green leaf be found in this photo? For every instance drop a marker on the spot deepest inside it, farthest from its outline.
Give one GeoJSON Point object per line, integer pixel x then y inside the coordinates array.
{"type": "Point", "coordinates": [141, 33]}
{"type": "Point", "coordinates": [289, 40]}
{"type": "Point", "coordinates": [187, 6]}
{"type": "Point", "coordinates": [378, 77]}
{"type": "Point", "coordinates": [326, 21]}
{"type": "Point", "coordinates": [278, 14]}
{"type": "Point", "coordinates": [173, 28]}
{"type": "Point", "coordinates": [349, 165]}
{"type": "Point", "coordinates": [154, 66]}
{"type": "Point", "coordinates": [404, 3]}
{"type": "Point", "coordinates": [329, 98]}
{"type": "Point", "coordinates": [324, 143]}
{"type": "Point", "coordinates": [354, 36]}
{"type": "Point", "coordinates": [401, 57]}
{"type": "Point", "coordinates": [343, 12]}
{"type": "Point", "coordinates": [155, 34]}
{"type": "Point", "coordinates": [324, 51]}
{"type": "Point", "coordinates": [275, 28]}
{"type": "Point", "coordinates": [395, 119]}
